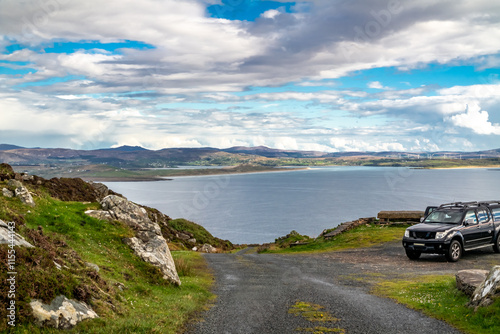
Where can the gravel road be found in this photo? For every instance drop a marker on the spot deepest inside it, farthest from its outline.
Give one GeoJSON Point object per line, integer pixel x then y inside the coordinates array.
{"type": "Point", "coordinates": [256, 291]}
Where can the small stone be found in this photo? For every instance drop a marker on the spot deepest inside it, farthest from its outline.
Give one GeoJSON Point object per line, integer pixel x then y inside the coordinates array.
{"type": "Point", "coordinates": [7, 193]}
{"type": "Point", "coordinates": [93, 266]}
{"type": "Point", "coordinates": [206, 248]}
{"type": "Point", "coordinates": [182, 236]}
{"type": "Point", "coordinates": [24, 195]}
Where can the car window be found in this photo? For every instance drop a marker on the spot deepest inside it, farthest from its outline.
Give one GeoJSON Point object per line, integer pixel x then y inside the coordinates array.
{"type": "Point", "coordinates": [496, 214]}
{"type": "Point", "coordinates": [471, 214]}
{"type": "Point", "coordinates": [449, 217]}
{"type": "Point", "coordinates": [482, 215]}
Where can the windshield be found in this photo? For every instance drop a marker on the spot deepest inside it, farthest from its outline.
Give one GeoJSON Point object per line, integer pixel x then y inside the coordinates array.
{"type": "Point", "coordinates": [444, 216]}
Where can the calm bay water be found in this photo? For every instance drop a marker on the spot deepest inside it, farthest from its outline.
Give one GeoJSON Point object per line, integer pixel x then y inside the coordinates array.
{"type": "Point", "coordinates": [257, 208]}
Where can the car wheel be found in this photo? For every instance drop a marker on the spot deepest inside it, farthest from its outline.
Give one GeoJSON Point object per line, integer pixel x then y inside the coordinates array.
{"type": "Point", "coordinates": [412, 255]}
{"type": "Point", "coordinates": [455, 251]}
{"type": "Point", "coordinates": [496, 246]}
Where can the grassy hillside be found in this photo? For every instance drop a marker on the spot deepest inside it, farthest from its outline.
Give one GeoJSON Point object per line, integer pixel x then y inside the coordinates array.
{"type": "Point", "coordinates": [124, 289]}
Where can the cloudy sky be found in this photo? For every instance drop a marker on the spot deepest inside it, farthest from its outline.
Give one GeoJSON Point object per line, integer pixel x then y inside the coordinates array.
{"type": "Point", "coordinates": [328, 75]}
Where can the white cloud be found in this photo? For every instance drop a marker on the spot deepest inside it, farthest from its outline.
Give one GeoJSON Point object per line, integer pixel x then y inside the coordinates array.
{"type": "Point", "coordinates": [375, 85]}
{"type": "Point", "coordinates": [477, 120]}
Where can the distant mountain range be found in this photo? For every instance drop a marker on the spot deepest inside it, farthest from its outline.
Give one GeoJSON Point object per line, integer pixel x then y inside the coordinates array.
{"type": "Point", "coordinates": [139, 157]}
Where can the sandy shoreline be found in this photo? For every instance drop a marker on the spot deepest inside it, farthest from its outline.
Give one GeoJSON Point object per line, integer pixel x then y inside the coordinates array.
{"type": "Point", "coordinates": [468, 167]}
{"type": "Point", "coordinates": [221, 171]}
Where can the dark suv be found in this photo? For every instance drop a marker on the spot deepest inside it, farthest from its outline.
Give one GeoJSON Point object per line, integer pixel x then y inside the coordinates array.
{"type": "Point", "coordinates": [453, 228]}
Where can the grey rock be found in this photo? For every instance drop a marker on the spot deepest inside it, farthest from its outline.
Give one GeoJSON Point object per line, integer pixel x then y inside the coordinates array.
{"type": "Point", "coordinates": [469, 280]}
{"type": "Point", "coordinates": [7, 237]}
{"type": "Point", "coordinates": [7, 193]}
{"type": "Point", "coordinates": [183, 236]}
{"type": "Point", "coordinates": [148, 243]}
{"type": "Point", "coordinates": [158, 254]}
{"type": "Point", "coordinates": [24, 195]}
{"type": "Point", "coordinates": [93, 266]}
{"type": "Point", "coordinates": [192, 241]}
{"type": "Point", "coordinates": [132, 214]}
{"type": "Point", "coordinates": [14, 183]}
{"type": "Point", "coordinates": [99, 214]}
{"type": "Point", "coordinates": [206, 248]}
{"type": "Point", "coordinates": [62, 313]}
{"type": "Point", "coordinates": [100, 189]}
{"type": "Point", "coordinates": [26, 177]}
{"type": "Point", "coordinates": [487, 290]}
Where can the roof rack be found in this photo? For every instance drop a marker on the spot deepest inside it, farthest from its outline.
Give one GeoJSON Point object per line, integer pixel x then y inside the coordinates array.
{"type": "Point", "coordinates": [489, 202]}
{"type": "Point", "coordinates": [459, 204]}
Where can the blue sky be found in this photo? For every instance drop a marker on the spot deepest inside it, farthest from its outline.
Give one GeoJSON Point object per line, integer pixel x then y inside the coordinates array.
{"type": "Point", "coordinates": [326, 75]}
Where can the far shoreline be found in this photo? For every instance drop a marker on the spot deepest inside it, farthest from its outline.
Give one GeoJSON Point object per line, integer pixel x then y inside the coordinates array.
{"type": "Point", "coordinates": [188, 173]}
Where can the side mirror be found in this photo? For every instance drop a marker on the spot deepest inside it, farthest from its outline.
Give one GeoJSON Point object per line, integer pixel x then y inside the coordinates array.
{"type": "Point", "coordinates": [421, 219]}
{"type": "Point", "coordinates": [469, 221]}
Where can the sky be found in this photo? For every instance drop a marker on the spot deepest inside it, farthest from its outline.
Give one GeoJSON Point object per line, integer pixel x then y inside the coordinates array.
{"type": "Point", "coordinates": [324, 75]}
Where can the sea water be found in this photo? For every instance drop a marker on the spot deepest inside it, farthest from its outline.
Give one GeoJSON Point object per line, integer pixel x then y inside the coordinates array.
{"type": "Point", "coordinates": [259, 207]}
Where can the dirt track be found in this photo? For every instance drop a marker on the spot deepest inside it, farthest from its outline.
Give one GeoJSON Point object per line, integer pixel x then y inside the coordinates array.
{"type": "Point", "coordinates": [255, 292]}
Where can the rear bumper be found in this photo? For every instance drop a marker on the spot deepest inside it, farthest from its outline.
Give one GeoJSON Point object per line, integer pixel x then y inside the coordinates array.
{"type": "Point", "coordinates": [426, 246]}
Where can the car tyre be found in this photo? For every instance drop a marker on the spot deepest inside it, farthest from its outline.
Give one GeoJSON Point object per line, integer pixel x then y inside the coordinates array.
{"type": "Point", "coordinates": [455, 251]}
{"type": "Point", "coordinates": [413, 255]}
{"type": "Point", "coordinates": [496, 246]}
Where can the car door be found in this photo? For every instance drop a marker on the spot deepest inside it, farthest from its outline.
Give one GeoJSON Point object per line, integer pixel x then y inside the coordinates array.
{"type": "Point", "coordinates": [485, 222]}
{"type": "Point", "coordinates": [471, 232]}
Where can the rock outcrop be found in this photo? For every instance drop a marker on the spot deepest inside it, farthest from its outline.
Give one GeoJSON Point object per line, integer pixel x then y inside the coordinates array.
{"type": "Point", "coordinates": [487, 290]}
{"type": "Point", "coordinates": [148, 243]}
{"type": "Point", "coordinates": [62, 313]}
{"type": "Point", "coordinates": [8, 236]}
{"type": "Point", "coordinates": [469, 280]}
{"type": "Point", "coordinates": [20, 192]}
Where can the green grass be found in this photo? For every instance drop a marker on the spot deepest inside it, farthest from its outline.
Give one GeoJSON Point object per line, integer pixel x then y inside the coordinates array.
{"type": "Point", "coordinates": [63, 233]}
{"type": "Point", "coordinates": [438, 297]}
{"type": "Point", "coordinates": [359, 237]}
